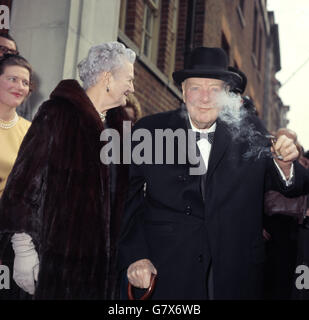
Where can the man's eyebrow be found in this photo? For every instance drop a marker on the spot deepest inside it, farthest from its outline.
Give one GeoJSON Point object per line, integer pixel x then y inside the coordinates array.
{"type": "Point", "coordinates": [194, 83]}
{"type": "Point", "coordinates": [210, 84]}
{"type": "Point", "coordinates": [216, 83]}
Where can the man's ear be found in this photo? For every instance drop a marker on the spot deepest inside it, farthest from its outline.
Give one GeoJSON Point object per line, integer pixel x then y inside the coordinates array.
{"type": "Point", "coordinates": [227, 88]}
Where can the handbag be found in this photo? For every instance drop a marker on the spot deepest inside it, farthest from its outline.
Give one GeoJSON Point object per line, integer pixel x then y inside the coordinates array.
{"type": "Point", "coordinates": [276, 203]}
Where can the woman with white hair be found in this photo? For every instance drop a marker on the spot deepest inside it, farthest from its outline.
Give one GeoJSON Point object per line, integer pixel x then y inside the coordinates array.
{"type": "Point", "coordinates": [56, 202]}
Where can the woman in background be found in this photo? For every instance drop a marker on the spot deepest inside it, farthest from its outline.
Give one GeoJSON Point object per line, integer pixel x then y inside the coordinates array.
{"type": "Point", "coordinates": [15, 79]}
{"type": "Point", "coordinates": [15, 87]}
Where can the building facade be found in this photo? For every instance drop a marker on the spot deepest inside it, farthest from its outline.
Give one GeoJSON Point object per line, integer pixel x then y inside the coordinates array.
{"type": "Point", "coordinates": [163, 32]}
{"type": "Point", "coordinates": [274, 111]}
{"type": "Point", "coordinates": [55, 35]}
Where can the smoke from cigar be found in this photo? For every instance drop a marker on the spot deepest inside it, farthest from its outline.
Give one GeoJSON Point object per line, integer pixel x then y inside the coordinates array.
{"type": "Point", "coordinates": [236, 118]}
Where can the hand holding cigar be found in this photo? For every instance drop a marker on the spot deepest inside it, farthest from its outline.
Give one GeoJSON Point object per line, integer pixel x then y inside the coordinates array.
{"type": "Point", "coordinates": [273, 140]}
{"type": "Point", "coordinates": [284, 148]}
{"type": "Point", "coordinates": [285, 152]}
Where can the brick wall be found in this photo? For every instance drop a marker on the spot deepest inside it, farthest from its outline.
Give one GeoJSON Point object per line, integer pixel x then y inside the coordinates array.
{"type": "Point", "coordinates": [134, 21]}
{"type": "Point", "coordinates": [165, 40]}
{"type": "Point", "coordinates": [213, 19]}
{"type": "Point", "coordinates": [181, 34]}
{"type": "Point", "coordinates": [199, 23]}
{"type": "Point", "coordinates": [152, 94]}
{"type": "Point", "coordinates": [221, 17]}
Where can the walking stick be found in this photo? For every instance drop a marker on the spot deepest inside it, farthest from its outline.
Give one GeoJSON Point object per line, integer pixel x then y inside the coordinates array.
{"type": "Point", "coordinates": [148, 292]}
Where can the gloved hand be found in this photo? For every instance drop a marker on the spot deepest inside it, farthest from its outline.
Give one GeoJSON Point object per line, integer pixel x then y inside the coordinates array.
{"type": "Point", "coordinates": [26, 262]}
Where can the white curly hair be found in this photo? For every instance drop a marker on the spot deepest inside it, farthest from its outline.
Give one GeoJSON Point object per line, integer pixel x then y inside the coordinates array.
{"type": "Point", "coordinates": [104, 57]}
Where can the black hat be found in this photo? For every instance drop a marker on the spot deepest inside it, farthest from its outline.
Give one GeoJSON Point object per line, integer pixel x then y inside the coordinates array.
{"type": "Point", "coordinates": [207, 63]}
{"type": "Point", "coordinates": [240, 85]}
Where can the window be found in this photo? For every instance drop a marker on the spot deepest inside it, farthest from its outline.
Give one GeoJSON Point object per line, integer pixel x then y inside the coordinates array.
{"type": "Point", "coordinates": [260, 48]}
{"type": "Point", "coordinates": [225, 46]}
{"type": "Point", "coordinates": [241, 12]}
{"type": "Point", "coordinates": [122, 15]}
{"type": "Point", "coordinates": [242, 6]}
{"type": "Point", "coordinates": [174, 36]}
{"type": "Point", "coordinates": [148, 26]}
{"type": "Point", "coordinates": [254, 31]}
{"type": "Point", "coordinates": [150, 29]}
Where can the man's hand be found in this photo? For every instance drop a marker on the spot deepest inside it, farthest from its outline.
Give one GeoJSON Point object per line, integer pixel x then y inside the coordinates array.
{"type": "Point", "coordinates": [266, 235]}
{"type": "Point", "coordinates": [139, 273]}
{"type": "Point", "coordinates": [286, 148]}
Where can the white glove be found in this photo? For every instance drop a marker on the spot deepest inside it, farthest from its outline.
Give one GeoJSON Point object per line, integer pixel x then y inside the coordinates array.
{"type": "Point", "coordinates": [26, 262]}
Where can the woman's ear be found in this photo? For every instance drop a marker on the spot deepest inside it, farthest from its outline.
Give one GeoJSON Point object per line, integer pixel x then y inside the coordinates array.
{"type": "Point", "coordinates": [105, 78]}
{"type": "Point", "coordinates": [29, 93]}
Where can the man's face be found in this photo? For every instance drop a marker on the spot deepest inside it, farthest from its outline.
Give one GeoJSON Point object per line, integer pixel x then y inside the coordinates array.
{"type": "Point", "coordinates": [7, 46]}
{"type": "Point", "coordinates": [199, 95]}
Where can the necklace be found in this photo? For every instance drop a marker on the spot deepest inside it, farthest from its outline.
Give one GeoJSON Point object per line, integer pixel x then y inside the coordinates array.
{"type": "Point", "coordinates": [102, 116]}
{"type": "Point", "coordinates": [9, 124]}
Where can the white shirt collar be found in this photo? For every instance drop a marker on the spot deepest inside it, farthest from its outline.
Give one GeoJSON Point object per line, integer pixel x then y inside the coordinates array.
{"type": "Point", "coordinates": [211, 129]}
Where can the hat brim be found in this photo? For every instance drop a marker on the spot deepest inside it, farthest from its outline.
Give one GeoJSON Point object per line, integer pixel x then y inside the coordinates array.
{"type": "Point", "coordinates": [228, 76]}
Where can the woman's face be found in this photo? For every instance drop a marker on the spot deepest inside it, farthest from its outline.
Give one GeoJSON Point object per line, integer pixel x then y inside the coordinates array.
{"type": "Point", "coordinates": [121, 84]}
{"type": "Point", "coordinates": [14, 86]}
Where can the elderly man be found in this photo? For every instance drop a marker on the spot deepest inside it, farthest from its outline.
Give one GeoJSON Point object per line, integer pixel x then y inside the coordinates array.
{"type": "Point", "coordinates": [202, 234]}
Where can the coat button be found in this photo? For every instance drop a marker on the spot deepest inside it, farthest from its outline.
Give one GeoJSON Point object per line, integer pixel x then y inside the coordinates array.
{"type": "Point", "coordinates": [188, 210]}
{"type": "Point", "coordinates": [182, 178]}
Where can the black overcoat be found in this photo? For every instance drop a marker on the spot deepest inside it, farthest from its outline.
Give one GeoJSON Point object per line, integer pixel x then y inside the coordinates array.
{"type": "Point", "coordinates": [183, 223]}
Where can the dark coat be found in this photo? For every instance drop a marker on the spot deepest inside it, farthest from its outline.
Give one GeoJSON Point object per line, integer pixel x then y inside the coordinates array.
{"type": "Point", "coordinates": [185, 222]}
{"type": "Point", "coordinates": [58, 193]}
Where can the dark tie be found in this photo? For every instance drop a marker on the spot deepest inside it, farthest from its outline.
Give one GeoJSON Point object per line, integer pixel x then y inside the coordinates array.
{"type": "Point", "coordinates": [203, 135]}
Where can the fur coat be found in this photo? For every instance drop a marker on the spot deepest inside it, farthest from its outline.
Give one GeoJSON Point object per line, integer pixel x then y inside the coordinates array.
{"type": "Point", "coordinates": [58, 192]}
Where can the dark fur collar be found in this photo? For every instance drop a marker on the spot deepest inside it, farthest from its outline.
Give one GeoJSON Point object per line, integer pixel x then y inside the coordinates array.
{"type": "Point", "coordinates": [72, 92]}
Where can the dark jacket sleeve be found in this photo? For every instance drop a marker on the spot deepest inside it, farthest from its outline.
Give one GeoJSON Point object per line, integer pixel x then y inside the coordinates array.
{"type": "Point", "coordinates": [19, 206]}
{"type": "Point", "coordinates": [299, 187]}
{"type": "Point", "coordinates": [274, 180]}
{"type": "Point", "coordinates": [132, 244]}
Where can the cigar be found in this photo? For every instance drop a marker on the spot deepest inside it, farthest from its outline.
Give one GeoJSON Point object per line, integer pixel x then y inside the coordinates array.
{"type": "Point", "coordinates": [273, 140]}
